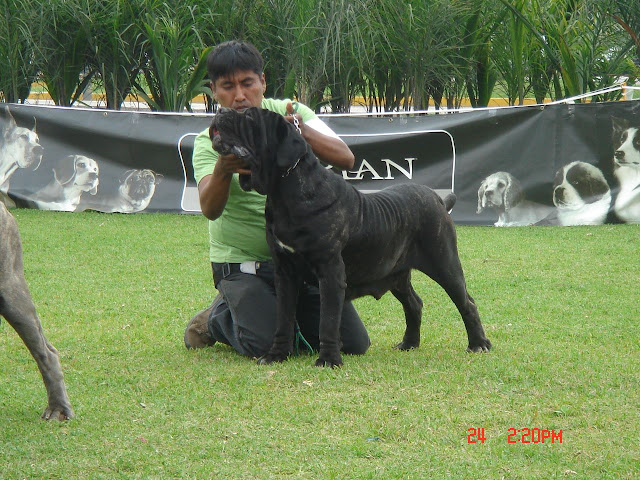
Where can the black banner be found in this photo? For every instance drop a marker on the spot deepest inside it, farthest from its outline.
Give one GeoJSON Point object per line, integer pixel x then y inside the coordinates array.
{"type": "Point", "coordinates": [553, 164]}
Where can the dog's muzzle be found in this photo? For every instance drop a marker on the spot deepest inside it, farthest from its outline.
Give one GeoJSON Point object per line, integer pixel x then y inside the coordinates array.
{"type": "Point", "coordinates": [34, 158]}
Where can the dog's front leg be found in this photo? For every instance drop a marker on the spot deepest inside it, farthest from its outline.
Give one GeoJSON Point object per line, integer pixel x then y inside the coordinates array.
{"type": "Point", "coordinates": [332, 285]}
{"type": "Point", "coordinates": [287, 281]}
{"type": "Point", "coordinates": [21, 315]}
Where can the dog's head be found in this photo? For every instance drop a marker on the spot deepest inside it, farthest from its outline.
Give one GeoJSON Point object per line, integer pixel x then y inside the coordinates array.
{"type": "Point", "coordinates": [77, 171]}
{"type": "Point", "coordinates": [265, 140]}
{"type": "Point", "coordinates": [20, 146]}
{"type": "Point", "coordinates": [500, 191]}
{"type": "Point", "coordinates": [626, 143]}
{"type": "Point", "coordinates": [139, 185]}
{"type": "Point", "coordinates": [578, 184]}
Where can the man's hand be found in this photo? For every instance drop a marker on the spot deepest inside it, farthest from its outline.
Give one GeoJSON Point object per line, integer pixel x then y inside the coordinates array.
{"type": "Point", "coordinates": [291, 114]}
{"type": "Point", "coordinates": [229, 164]}
{"type": "Point", "coordinates": [328, 149]}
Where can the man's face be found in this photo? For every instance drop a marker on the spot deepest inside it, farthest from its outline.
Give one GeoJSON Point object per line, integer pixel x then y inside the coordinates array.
{"type": "Point", "coordinates": [240, 90]}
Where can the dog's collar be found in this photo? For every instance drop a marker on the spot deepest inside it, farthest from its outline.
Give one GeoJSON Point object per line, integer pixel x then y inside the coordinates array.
{"type": "Point", "coordinates": [291, 168]}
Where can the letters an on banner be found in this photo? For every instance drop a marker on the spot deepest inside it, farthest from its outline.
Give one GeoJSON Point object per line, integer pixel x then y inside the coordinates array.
{"type": "Point", "coordinates": [573, 164]}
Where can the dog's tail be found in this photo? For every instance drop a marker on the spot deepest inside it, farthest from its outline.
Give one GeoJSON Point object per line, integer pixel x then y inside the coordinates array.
{"type": "Point", "coordinates": [450, 201]}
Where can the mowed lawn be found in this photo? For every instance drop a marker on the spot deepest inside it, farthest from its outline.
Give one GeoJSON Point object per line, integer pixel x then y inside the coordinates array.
{"type": "Point", "coordinates": [114, 293]}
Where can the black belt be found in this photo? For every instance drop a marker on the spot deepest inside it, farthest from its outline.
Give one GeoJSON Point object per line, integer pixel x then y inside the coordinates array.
{"type": "Point", "coordinates": [223, 270]}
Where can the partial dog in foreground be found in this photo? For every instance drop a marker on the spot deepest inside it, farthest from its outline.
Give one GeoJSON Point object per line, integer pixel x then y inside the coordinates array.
{"type": "Point", "coordinates": [320, 227]}
{"type": "Point", "coordinates": [16, 306]}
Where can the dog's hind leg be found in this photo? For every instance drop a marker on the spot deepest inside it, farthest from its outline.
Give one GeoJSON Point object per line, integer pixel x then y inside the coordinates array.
{"type": "Point", "coordinates": [443, 266]}
{"type": "Point", "coordinates": [16, 306]}
{"type": "Point", "coordinates": [412, 305]}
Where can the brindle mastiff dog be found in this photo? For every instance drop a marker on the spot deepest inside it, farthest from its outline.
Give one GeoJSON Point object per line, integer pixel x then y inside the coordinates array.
{"type": "Point", "coordinates": [16, 306]}
{"type": "Point", "coordinates": [353, 244]}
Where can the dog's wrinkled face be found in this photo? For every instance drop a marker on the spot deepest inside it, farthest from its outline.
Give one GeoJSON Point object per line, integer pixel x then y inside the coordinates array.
{"type": "Point", "coordinates": [578, 184]}
{"type": "Point", "coordinates": [263, 139]}
{"type": "Point", "coordinates": [139, 185]}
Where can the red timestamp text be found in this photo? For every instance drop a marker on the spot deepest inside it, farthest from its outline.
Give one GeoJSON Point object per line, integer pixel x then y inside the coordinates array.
{"type": "Point", "coordinates": [518, 435]}
{"type": "Point", "coordinates": [533, 435]}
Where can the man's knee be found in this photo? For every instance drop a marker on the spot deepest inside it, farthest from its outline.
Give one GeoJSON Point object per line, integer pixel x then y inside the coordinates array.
{"type": "Point", "coordinates": [252, 345]}
{"type": "Point", "coordinates": [357, 346]}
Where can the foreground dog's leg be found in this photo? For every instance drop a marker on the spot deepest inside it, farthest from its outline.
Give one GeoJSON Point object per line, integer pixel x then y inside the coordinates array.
{"type": "Point", "coordinates": [21, 315]}
{"type": "Point", "coordinates": [412, 305]}
{"type": "Point", "coordinates": [287, 284]}
{"type": "Point", "coordinates": [17, 307]}
{"type": "Point", "coordinates": [332, 284]}
{"type": "Point", "coordinates": [443, 266]}
{"type": "Point", "coordinates": [453, 282]}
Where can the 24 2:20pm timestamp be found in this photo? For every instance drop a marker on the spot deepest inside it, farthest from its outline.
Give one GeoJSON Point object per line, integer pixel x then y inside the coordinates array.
{"type": "Point", "coordinates": [518, 435]}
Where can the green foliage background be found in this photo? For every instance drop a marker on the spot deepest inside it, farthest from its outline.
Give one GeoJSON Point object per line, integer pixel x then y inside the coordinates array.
{"type": "Point", "coordinates": [394, 54]}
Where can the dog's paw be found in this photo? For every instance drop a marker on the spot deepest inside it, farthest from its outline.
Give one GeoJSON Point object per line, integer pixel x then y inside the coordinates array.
{"type": "Point", "coordinates": [60, 413]}
{"type": "Point", "coordinates": [329, 361]}
{"type": "Point", "coordinates": [270, 358]}
{"type": "Point", "coordinates": [483, 345]}
{"type": "Point", "coordinates": [407, 345]}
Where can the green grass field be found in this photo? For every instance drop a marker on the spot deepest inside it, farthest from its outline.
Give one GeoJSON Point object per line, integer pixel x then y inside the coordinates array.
{"type": "Point", "coordinates": [114, 293]}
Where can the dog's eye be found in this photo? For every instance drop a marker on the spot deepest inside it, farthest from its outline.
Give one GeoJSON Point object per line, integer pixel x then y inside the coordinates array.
{"type": "Point", "coordinates": [82, 164]}
{"type": "Point", "coordinates": [501, 184]}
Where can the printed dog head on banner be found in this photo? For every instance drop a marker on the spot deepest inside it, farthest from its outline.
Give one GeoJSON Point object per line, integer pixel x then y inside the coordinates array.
{"type": "Point", "coordinates": [72, 176]}
{"type": "Point", "coordinates": [134, 194]}
{"type": "Point", "coordinates": [626, 168]}
{"type": "Point", "coordinates": [581, 194]}
{"type": "Point", "coordinates": [19, 148]}
{"type": "Point", "coordinates": [503, 193]}
{"type": "Point", "coordinates": [70, 182]}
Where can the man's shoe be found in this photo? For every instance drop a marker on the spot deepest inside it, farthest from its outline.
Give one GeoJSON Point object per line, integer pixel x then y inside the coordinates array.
{"type": "Point", "coordinates": [197, 334]}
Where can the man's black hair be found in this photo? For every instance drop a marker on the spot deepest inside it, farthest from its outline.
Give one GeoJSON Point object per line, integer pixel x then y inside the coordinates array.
{"type": "Point", "coordinates": [233, 56]}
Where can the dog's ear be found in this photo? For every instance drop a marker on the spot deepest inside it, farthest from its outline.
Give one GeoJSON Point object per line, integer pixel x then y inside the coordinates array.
{"type": "Point", "coordinates": [65, 169]}
{"type": "Point", "coordinates": [483, 187]}
{"type": "Point", "coordinates": [619, 124]}
{"type": "Point", "coordinates": [513, 193]}
{"type": "Point", "coordinates": [125, 175]}
{"type": "Point", "coordinates": [291, 145]}
{"type": "Point", "coordinates": [11, 123]}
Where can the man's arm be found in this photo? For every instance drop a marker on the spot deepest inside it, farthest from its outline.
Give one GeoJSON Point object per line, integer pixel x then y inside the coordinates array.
{"type": "Point", "coordinates": [213, 189]}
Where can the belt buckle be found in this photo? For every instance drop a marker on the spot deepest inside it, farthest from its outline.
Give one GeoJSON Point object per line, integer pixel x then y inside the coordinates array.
{"type": "Point", "coordinates": [249, 267]}
{"type": "Point", "coordinates": [226, 270]}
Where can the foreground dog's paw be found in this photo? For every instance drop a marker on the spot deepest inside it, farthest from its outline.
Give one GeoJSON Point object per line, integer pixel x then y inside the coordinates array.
{"type": "Point", "coordinates": [270, 358]}
{"type": "Point", "coordinates": [329, 361]}
{"type": "Point", "coordinates": [407, 345]}
{"type": "Point", "coordinates": [60, 413]}
{"type": "Point", "coordinates": [482, 346]}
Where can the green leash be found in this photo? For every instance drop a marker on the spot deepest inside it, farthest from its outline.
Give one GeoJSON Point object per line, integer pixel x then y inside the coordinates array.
{"type": "Point", "coordinates": [300, 338]}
